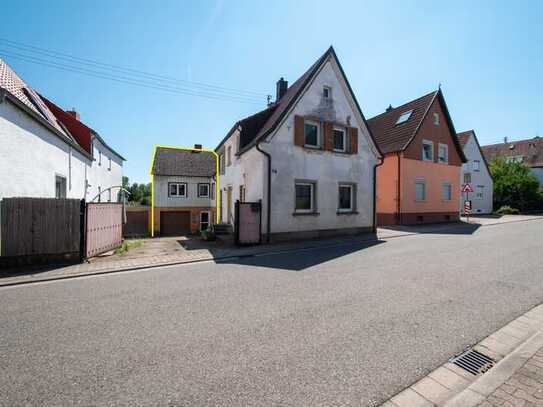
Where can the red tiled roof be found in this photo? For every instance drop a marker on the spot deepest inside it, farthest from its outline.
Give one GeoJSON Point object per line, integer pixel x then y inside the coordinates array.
{"type": "Point", "coordinates": [531, 150]}
{"type": "Point", "coordinates": [464, 137]}
{"type": "Point", "coordinates": [393, 137]}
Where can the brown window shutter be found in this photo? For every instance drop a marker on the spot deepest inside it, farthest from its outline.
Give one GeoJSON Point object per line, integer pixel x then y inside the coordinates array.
{"type": "Point", "coordinates": [299, 139]}
{"type": "Point", "coordinates": [328, 141]}
{"type": "Point", "coordinates": [353, 138]}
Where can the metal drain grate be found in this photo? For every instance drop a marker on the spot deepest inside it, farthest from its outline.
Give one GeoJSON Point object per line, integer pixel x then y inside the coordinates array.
{"type": "Point", "coordinates": [473, 361]}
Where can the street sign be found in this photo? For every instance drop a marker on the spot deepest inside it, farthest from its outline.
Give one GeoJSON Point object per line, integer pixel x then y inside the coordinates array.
{"type": "Point", "coordinates": [467, 188]}
{"type": "Point", "coordinates": [467, 207]}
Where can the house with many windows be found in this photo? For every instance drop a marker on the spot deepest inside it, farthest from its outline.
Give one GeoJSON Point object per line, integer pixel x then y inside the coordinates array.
{"type": "Point", "coordinates": [419, 180]}
{"type": "Point", "coordinates": [309, 157]}
{"type": "Point", "coordinates": [476, 173]}
{"type": "Point", "coordinates": [47, 152]}
{"type": "Point", "coordinates": [183, 190]}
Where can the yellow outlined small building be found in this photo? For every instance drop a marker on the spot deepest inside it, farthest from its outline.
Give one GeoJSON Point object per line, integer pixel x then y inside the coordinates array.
{"type": "Point", "coordinates": [184, 190]}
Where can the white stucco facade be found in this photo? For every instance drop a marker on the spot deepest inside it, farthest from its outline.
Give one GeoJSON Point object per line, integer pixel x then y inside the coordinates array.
{"type": "Point", "coordinates": [162, 198]}
{"type": "Point", "coordinates": [475, 171]}
{"type": "Point", "coordinates": [31, 156]}
{"type": "Point", "coordinates": [291, 163]}
{"type": "Point", "coordinates": [105, 172]}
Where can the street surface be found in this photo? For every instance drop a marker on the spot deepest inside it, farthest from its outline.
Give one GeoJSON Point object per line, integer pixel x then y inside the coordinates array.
{"type": "Point", "coordinates": [348, 325]}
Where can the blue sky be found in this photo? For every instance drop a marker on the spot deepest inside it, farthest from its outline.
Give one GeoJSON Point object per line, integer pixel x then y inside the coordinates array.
{"type": "Point", "coordinates": [488, 56]}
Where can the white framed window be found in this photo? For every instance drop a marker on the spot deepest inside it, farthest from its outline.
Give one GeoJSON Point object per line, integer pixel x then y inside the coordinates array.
{"type": "Point", "coordinates": [443, 153]}
{"type": "Point", "coordinates": [60, 186]}
{"type": "Point", "coordinates": [467, 178]}
{"type": "Point", "coordinates": [203, 190]}
{"type": "Point", "coordinates": [435, 119]}
{"type": "Point", "coordinates": [427, 150]}
{"type": "Point", "coordinates": [480, 192]}
{"type": "Point", "coordinates": [109, 164]}
{"type": "Point", "coordinates": [404, 117]}
{"type": "Point", "coordinates": [204, 220]}
{"type": "Point", "coordinates": [312, 134]}
{"type": "Point", "coordinates": [476, 165]}
{"type": "Point", "coordinates": [229, 156]}
{"type": "Point", "coordinates": [346, 198]}
{"type": "Point", "coordinates": [515, 159]}
{"type": "Point", "coordinates": [447, 191]}
{"type": "Point", "coordinates": [339, 138]}
{"type": "Point", "coordinates": [177, 189]}
{"type": "Point", "coordinates": [326, 92]}
{"type": "Point", "coordinates": [304, 197]}
{"type": "Point", "coordinates": [420, 190]}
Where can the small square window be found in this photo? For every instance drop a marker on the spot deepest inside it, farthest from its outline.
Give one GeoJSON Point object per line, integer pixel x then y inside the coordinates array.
{"type": "Point", "coordinates": [443, 153]}
{"type": "Point", "coordinates": [467, 177]}
{"type": "Point", "coordinates": [427, 151]}
{"type": "Point", "coordinates": [177, 189]}
{"type": "Point", "coordinates": [476, 165]}
{"type": "Point", "coordinates": [346, 198]}
{"type": "Point", "coordinates": [311, 134]}
{"type": "Point", "coordinates": [420, 190]}
{"type": "Point", "coordinates": [203, 190]}
{"type": "Point", "coordinates": [447, 191]}
{"type": "Point", "coordinates": [339, 139]}
{"type": "Point", "coordinates": [480, 192]}
{"type": "Point", "coordinates": [305, 195]}
{"type": "Point", "coordinates": [326, 92]}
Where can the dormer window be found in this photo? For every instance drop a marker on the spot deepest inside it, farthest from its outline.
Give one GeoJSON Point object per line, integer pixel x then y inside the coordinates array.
{"type": "Point", "coordinates": [327, 92]}
{"type": "Point", "coordinates": [436, 119]}
{"type": "Point", "coordinates": [404, 117]}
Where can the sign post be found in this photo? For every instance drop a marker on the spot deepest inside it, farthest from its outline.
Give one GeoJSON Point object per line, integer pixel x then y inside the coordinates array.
{"type": "Point", "coordinates": [466, 188]}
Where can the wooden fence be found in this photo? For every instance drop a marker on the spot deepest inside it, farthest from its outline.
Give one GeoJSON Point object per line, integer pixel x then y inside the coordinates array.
{"type": "Point", "coordinates": [40, 227]}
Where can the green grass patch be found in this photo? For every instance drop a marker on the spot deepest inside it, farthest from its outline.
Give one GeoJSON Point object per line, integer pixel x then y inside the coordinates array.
{"type": "Point", "coordinates": [128, 245]}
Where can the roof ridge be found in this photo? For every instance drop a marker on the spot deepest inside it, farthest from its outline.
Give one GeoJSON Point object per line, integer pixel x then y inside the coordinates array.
{"type": "Point", "coordinates": [402, 105]}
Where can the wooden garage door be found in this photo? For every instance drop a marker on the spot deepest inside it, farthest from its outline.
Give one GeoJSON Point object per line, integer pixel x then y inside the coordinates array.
{"type": "Point", "coordinates": [174, 223]}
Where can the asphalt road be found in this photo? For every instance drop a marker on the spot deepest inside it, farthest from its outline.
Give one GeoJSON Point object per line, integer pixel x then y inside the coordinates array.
{"type": "Point", "coordinates": [348, 325]}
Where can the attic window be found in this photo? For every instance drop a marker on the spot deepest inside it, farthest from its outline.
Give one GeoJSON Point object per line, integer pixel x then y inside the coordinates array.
{"type": "Point", "coordinates": [404, 117]}
{"type": "Point", "coordinates": [326, 92]}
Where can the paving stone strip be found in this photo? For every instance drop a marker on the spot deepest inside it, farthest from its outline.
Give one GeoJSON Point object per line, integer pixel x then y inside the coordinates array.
{"type": "Point", "coordinates": [515, 380]}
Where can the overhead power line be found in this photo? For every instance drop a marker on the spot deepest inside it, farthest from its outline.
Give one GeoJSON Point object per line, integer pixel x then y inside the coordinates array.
{"type": "Point", "coordinates": [128, 75]}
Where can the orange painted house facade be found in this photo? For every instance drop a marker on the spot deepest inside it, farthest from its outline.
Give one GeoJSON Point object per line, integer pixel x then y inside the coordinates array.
{"type": "Point", "coordinates": [419, 179]}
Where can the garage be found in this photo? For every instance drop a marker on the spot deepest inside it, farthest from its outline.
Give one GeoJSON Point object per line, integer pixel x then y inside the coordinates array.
{"type": "Point", "coordinates": [175, 223]}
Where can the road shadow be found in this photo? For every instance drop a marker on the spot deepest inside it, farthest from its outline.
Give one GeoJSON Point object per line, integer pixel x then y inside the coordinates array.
{"type": "Point", "coordinates": [303, 258]}
{"type": "Point", "coordinates": [460, 228]}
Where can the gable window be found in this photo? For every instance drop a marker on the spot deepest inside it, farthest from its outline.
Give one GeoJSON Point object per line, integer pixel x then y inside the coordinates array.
{"type": "Point", "coordinates": [203, 190]}
{"type": "Point", "coordinates": [311, 134]}
{"type": "Point", "coordinates": [60, 186]}
{"type": "Point", "coordinates": [305, 197]}
{"type": "Point", "coordinates": [427, 150]}
{"type": "Point", "coordinates": [476, 165]}
{"type": "Point", "coordinates": [435, 117]}
{"type": "Point", "coordinates": [420, 190]}
{"type": "Point", "coordinates": [447, 191]}
{"type": "Point", "coordinates": [204, 220]}
{"type": "Point", "coordinates": [479, 192]}
{"type": "Point", "coordinates": [339, 139]}
{"type": "Point", "coordinates": [229, 156]}
{"type": "Point", "coordinates": [404, 117]}
{"type": "Point", "coordinates": [346, 198]}
{"type": "Point", "coordinates": [443, 153]}
{"type": "Point", "coordinates": [327, 92]}
{"type": "Point", "coordinates": [467, 177]}
{"type": "Point", "coordinates": [177, 189]}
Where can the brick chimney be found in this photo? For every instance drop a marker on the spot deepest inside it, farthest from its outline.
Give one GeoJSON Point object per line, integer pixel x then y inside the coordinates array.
{"type": "Point", "coordinates": [74, 113]}
{"type": "Point", "coordinates": [281, 89]}
{"type": "Point", "coordinates": [197, 146]}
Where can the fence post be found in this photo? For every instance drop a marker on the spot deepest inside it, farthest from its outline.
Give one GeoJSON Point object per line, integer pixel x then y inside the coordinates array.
{"type": "Point", "coordinates": [82, 230]}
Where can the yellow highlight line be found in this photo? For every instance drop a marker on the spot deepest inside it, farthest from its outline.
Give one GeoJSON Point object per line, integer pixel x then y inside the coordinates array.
{"type": "Point", "coordinates": [217, 189]}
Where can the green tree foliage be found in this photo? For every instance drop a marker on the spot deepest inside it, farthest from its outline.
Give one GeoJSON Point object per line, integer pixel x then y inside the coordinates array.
{"type": "Point", "coordinates": [514, 185]}
{"type": "Point", "coordinates": [140, 194]}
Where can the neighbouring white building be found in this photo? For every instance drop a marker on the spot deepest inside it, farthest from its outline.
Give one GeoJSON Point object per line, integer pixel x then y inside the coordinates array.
{"type": "Point", "coordinates": [47, 152]}
{"type": "Point", "coordinates": [476, 173]}
{"type": "Point", "coordinates": [309, 158]}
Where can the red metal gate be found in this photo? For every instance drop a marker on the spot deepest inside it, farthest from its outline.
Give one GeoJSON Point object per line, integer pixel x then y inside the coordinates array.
{"type": "Point", "coordinates": [104, 228]}
{"type": "Point", "coordinates": [248, 226]}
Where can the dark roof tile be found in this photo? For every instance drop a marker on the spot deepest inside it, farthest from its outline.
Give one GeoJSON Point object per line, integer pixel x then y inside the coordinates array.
{"type": "Point", "coordinates": [176, 162]}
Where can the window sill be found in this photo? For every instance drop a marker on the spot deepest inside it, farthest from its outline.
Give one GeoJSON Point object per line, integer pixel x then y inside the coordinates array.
{"type": "Point", "coordinates": [311, 147]}
{"type": "Point", "coordinates": [347, 213]}
{"type": "Point", "coordinates": [306, 214]}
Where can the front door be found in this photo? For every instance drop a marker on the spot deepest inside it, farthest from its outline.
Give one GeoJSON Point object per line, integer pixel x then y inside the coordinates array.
{"type": "Point", "coordinates": [229, 205]}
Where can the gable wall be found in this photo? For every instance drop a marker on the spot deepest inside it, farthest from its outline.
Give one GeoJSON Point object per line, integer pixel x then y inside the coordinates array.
{"type": "Point", "coordinates": [481, 177]}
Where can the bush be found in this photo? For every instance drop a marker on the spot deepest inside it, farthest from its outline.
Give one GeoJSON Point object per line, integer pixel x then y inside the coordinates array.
{"type": "Point", "coordinates": [208, 234]}
{"type": "Point", "coordinates": [507, 210]}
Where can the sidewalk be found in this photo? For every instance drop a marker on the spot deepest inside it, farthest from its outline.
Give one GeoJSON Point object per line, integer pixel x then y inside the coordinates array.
{"type": "Point", "coordinates": [515, 380]}
{"type": "Point", "coordinates": [170, 251]}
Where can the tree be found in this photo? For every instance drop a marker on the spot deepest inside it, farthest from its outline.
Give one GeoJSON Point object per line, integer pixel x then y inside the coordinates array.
{"type": "Point", "coordinates": [514, 185]}
{"type": "Point", "coordinates": [140, 194]}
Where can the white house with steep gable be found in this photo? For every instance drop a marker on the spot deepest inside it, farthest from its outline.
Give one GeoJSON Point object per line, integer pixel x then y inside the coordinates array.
{"type": "Point", "coordinates": [309, 157]}
{"type": "Point", "coordinates": [475, 172]}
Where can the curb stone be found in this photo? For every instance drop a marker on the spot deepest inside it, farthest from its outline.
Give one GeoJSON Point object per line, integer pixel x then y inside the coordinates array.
{"type": "Point", "coordinates": [451, 386]}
